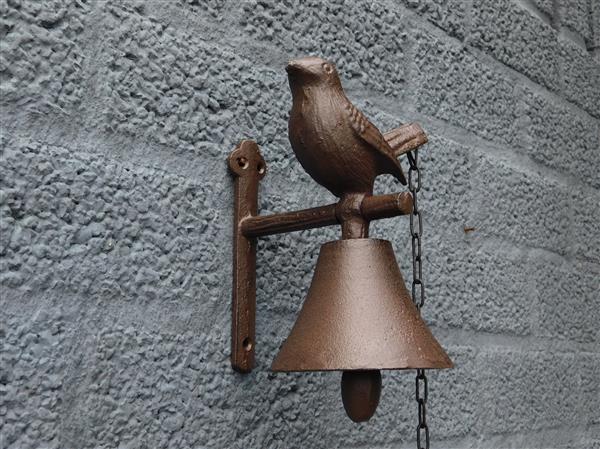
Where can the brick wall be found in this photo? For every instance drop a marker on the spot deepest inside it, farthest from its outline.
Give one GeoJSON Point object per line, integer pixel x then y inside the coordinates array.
{"type": "Point", "coordinates": [115, 211]}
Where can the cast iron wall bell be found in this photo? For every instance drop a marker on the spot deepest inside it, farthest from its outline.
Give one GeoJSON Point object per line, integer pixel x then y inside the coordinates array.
{"type": "Point", "coordinates": [358, 317]}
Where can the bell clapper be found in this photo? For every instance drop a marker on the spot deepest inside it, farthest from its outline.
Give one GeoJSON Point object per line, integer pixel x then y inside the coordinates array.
{"type": "Point", "coordinates": [361, 390]}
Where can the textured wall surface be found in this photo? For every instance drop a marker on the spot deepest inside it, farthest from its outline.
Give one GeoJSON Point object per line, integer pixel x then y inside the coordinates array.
{"type": "Point", "coordinates": [115, 209]}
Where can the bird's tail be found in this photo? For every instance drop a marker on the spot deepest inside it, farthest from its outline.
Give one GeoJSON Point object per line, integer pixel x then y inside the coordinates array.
{"type": "Point", "coordinates": [405, 138]}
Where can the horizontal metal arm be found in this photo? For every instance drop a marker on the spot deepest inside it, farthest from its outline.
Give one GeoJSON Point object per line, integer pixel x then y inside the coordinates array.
{"type": "Point", "coordinates": [372, 208]}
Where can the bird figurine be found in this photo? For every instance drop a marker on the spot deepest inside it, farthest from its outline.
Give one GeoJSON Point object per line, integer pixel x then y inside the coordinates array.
{"type": "Point", "coordinates": [332, 139]}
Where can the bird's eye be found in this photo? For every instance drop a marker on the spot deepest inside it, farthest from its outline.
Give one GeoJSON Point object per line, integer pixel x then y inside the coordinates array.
{"type": "Point", "coordinates": [327, 68]}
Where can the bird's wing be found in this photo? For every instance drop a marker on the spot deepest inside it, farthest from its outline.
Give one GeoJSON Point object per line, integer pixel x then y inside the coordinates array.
{"type": "Point", "coordinates": [372, 136]}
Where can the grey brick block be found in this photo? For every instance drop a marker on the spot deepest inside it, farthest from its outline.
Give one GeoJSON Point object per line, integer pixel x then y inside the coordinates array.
{"type": "Point", "coordinates": [82, 223]}
{"type": "Point", "coordinates": [482, 289]}
{"type": "Point", "coordinates": [595, 23]}
{"type": "Point", "coordinates": [546, 6]}
{"type": "Point", "coordinates": [176, 386]}
{"type": "Point", "coordinates": [526, 391]}
{"type": "Point", "coordinates": [585, 444]}
{"type": "Point", "coordinates": [449, 15]}
{"type": "Point", "coordinates": [451, 84]}
{"type": "Point", "coordinates": [217, 10]}
{"type": "Point", "coordinates": [452, 402]}
{"type": "Point", "coordinates": [285, 270]}
{"type": "Point", "coordinates": [446, 184]}
{"type": "Point", "coordinates": [580, 76]}
{"type": "Point", "coordinates": [140, 379]}
{"type": "Point", "coordinates": [575, 15]}
{"type": "Point", "coordinates": [43, 55]}
{"type": "Point", "coordinates": [586, 224]}
{"type": "Point", "coordinates": [33, 377]}
{"type": "Point", "coordinates": [512, 35]}
{"type": "Point", "coordinates": [359, 36]}
{"type": "Point", "coordinates": [561, 139]}
{"type": "Point", "coordinates": [566, 302]}
{"type": "Point", "coordinates": [589, 393]}
{"type": "Point", "coordinates": [144, 376]}
{"type": "Point", "coordinates": [168, 85]}
{"type": "Point", "coordinates": [521, 206]}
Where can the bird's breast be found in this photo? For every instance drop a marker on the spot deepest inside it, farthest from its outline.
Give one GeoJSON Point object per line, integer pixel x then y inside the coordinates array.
{"type": "Point", "coordinates": [326, 145]}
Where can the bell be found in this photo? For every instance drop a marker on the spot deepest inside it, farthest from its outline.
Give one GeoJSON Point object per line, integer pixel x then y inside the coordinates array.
{"type": "Point", "coordinates": [359, 318]}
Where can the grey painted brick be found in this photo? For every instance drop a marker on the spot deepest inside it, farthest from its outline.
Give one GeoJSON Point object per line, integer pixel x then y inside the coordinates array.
{"type": "Point", "coordinates": [92, 382]}
{"type": "Point", "coordinates": [566, 302]}
{"type": "Point", "coordinates": [580, 77]}
{"type": "Point", "coordinates": [477, 288]}
{"type": "Point", "coordinates": [285, 270]}
{"type": "Point", "coordinates": [589, 367]}
{"type": "Point", "coordinates": [170, 86]}
{"type": "Point", "coordinates": [592, 442]}
{"type": "Point", "coordinates": [586, 224]}
{"type": "Point", "coordinates": [556, 137]}
{"type": "Point", "coordinates": [558, 437]}
{"type": "Point", "coordinates": [575, 15]}
{"type": "Point", "coordinates": [512, 35]}
{"type": "Point", "coordinates": [525, 391]}
{"type": "Point", "coordinates": [521, 206]}
{"type": "Point", "coordinates": [449, 15]}
{"type": "Point", "coordinates": [34, 365]}
{"type": "Point", "coordinates": [446, 184]}
{"type": "Point", "coordinates": [451, 84]}
{"type": "Point", "coordinates": [82, 223]}
{"type": "Point", "coordinates": [360, 36]}
{"type": "Point", "coordinates": [179, 388]}
{"type": "Point", "coordinates": [215, 8]}
{"type": "Point", "coordinates": [546, 6]}
{"type": "Point", "coordinates": [452, 405]}
{"type": "Point", "coordinates": [595, 23]}
{"type": "Point", "coordinates": [43, 55]}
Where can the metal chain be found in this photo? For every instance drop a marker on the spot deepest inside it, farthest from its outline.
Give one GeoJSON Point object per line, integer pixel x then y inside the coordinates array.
{"type": "Point", "coordinates": [416, 230]}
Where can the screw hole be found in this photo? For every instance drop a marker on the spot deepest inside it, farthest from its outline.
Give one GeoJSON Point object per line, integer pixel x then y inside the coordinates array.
{"type": "Point", "coordinates": [261, 169]}
{"type": "Point", "coordinates": [242, 162]}
{"type": "Point", "coordinates": [247, 344]}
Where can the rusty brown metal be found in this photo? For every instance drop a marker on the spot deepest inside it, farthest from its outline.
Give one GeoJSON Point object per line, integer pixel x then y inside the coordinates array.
{"type": "Point", "coordinates": [372, 208]}
{"type": "Point", "coordinates": [333, 140]}
{"type": "Point", "coordinates": [405, 138]}
{"type": "Point", "coordinates": [361, 391]}
{"type": "Point", "coordinates": [248, 168]}
{"type": "Point", "coordinates": [358, 315]}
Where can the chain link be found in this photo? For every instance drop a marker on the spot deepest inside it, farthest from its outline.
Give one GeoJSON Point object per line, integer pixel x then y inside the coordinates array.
{"type": "Point", "coordinates": [418, 289]}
